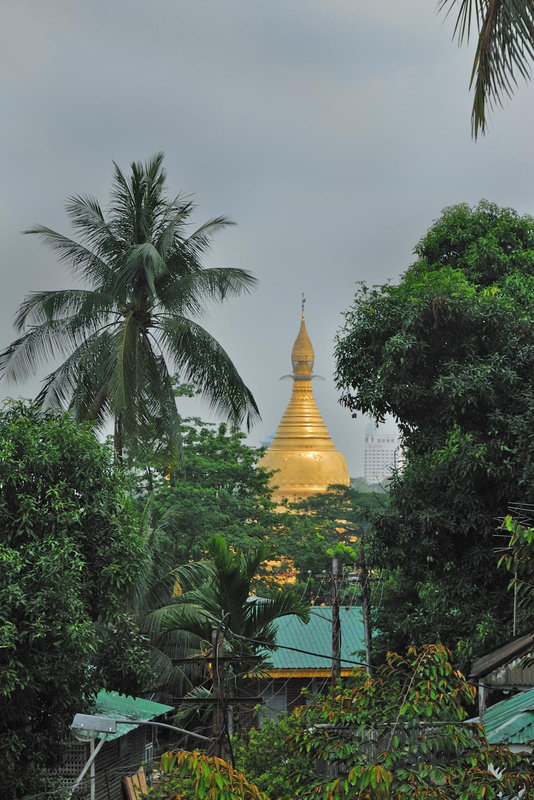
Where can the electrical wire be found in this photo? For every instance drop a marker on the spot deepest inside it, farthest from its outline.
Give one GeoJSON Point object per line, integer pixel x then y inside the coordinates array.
{"type": "Point", "coordinates": [335, 658]}
{"type": "Point", "coordinates": [381, 590]}
{"type": "Point", "coordinates": [260, 642]}
{"type": "Point", "coordinates": [306, 586]}
{"type": "Point", "coordinates": [134, 765]}
{"type": "Point", "coordinates": [314, 599]}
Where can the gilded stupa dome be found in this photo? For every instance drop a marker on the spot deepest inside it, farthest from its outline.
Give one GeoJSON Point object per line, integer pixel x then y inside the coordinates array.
{"type": "Point", "coordinates": [302, 453]}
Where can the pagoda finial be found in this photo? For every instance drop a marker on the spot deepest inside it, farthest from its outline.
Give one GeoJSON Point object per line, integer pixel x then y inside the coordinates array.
{"type": "Point", "coordinates": [302, 354]}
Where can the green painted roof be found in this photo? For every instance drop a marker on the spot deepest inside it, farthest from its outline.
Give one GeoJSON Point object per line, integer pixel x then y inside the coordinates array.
{"type": "Point", "coordinates": [316, 636]}
{"type": "Point", "coordinates": [511, 721]}
{"type": "Point", "coordinates": [121, 706]}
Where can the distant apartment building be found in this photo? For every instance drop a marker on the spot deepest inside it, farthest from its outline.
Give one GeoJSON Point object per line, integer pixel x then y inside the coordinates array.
{"type": "Point", "coordinates": [381, 452]}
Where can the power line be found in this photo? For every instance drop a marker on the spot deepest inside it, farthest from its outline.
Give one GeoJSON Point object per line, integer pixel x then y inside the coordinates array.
{"type": "Point", "coordinates": [331, 658]}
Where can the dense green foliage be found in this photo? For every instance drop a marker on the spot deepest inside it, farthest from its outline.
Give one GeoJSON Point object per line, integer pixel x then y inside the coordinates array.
{"type": "Point", "coordinates": [217, 597]}
{"type": "Point", "coordinates": [69, 548]}
{"type": "Point", "coordinates": [337, 522]}
{"type": "Point", "coordinates": [218, 489]}
{"type": "Point", "coordinates": [266, 759]}
{"type": "Point", "coordinates": [214, 595]}
{"type": "Point", "coordinates": [147, 287]}
{"type": "Point", "coordinates": [189, 776]}
{"type": "Point", "coordinates": [449, 352]}
{"type": "Point", "coordinates": [221, 489]}
{"type": "Point", "coordinates": [402, 733]}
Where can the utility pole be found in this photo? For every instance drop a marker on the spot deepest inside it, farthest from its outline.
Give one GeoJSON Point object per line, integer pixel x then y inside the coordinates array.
{"type": "Point", "coordinates": [336, 626]}
{"type": "Point", "coordinates": [365, 584]}
{"type": "Point", "coordinates": [219, 706]}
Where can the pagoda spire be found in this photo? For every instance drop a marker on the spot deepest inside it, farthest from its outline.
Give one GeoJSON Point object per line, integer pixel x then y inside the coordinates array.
{"type": "Point", "coordinates": [302, 451]}
{"type": "Point", "coordinates": [302, 355]}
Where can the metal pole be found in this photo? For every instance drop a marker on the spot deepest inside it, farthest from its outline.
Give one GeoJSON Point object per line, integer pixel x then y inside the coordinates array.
{"type": "Point", "coordinates": [90, 761]}
{"type": "Point", "coordinates": [163, 725]}
{"type": "Point", "coordinates": [366, 604]}
{"type": "Point", "coordinates": [92, 773]}
{"type": "Point", "coordinates": [95, 750]}
{"type": "Point", "coordinates": [218, 692]}
{"type": "Point", "coordinates": [336, 626]}
{"type": "Point", "coordinates": [514, 626]}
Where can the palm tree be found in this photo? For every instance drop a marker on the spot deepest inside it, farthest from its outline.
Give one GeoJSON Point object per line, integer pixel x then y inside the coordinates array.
{"type": "Point", "coordinates": [149, 601]}
{"type": "Point", "coordinates": [222, 604]}
{"type": "Point", "coordinates": [227, 593]}
{"type": "Point", "coordinates": [180, 624]}
{"type": "Point", "coordinates": [505, 30]}
{"type": "Point", "coordinates": [137, 318]}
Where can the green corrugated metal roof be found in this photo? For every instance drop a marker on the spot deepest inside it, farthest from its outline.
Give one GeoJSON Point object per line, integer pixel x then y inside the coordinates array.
{"type": "Point", "coordinates": [121, 706]}
{"type": "Point", "coordinates": [511, 721]}
{"type": "Point", "coordinates": [316, 636]}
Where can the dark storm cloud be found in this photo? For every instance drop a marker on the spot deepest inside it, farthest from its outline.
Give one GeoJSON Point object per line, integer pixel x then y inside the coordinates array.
{"type": "Point", "coordinates": [333, 133]}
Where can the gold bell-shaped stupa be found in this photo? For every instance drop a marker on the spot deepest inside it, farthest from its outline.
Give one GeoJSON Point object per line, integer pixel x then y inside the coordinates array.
{"type": "Point", "coordinates": [302, 452]}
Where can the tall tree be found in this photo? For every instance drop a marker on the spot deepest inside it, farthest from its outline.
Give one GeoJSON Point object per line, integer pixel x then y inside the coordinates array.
{"type": "Point", "coordinates": [222, 583]}
{"type": "Point", "coordinates": [147, 287]}
{"type": "Point", "coordinates": [449, 352]}
{"type": "Point", "coordinates": [336, 522]}
{"type": "Point", "coordinates": [505, 48]}
{"type": "Point", "coordinates": [224, 605]}
{"type": "Point", "coordinates": [178, 615]}
{"type": "Point", "coordinates": [69, 550]}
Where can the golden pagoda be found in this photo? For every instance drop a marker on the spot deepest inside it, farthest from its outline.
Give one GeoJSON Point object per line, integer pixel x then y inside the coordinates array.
{"type": "Point", "coordinates": [302, 452]}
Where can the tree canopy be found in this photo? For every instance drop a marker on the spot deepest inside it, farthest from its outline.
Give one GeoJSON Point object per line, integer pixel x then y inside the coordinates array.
{"type": "Point", "coordinates": [403, 733]}
{"type": "Point", "coordinates": [219, 488]}
{"type": "Point", "coordinates": [449, 352]}
{"type": "Point", "coordinates": [147, 287]}
{"type": "Point", "coordinates": [69, 549]}
{"type": "Point", "coordinates": [336, 522]}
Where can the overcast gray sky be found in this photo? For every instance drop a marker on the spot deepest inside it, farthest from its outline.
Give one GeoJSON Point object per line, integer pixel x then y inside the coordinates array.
{"type": "Point", "coordinates": [333, 132]}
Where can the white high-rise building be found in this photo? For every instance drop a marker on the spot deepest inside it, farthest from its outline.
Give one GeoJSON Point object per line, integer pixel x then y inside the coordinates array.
{"type": "Point", "coordinates": [381, 452]}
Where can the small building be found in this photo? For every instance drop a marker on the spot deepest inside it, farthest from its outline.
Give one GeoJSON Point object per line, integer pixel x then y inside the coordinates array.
{"type": "Point", "coordinates": [504, 669]}
{"type": "Point", "coordinates": [123, 751]}
{"type": "Point", "coordinates": [293, 678]}
{"type": "Point", "coordinates": [511, 722]}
